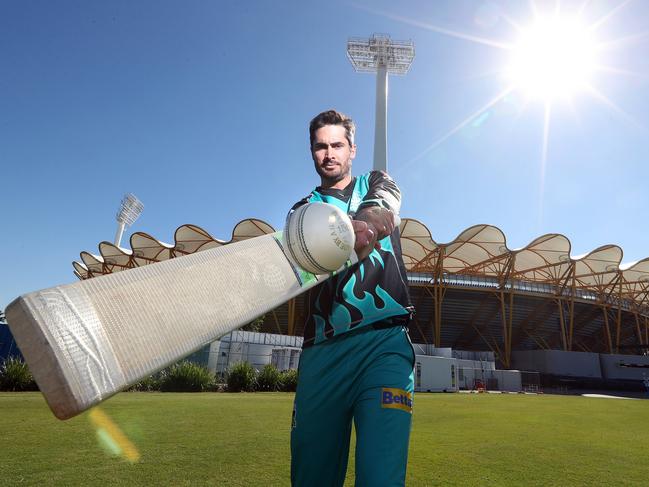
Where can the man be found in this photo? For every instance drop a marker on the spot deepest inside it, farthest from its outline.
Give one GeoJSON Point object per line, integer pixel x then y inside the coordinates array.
{"type": "Point", "coordinates": [357, 361]}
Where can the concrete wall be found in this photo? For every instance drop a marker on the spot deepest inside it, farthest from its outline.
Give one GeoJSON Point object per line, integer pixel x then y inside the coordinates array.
{"type": "Point", "coordinates": [629, 367]}
{"type": "Point", "coordinates": [558, 362]}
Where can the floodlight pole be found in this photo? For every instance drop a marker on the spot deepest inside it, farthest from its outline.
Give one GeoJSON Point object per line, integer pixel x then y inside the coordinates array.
{"type": "Point", "coordinates": [120, 232]}
{"type": "Point", "coordinates": [129, 211]}
{"type": "Point", "coordinates": [381, 55]}
{"type": "Point", "coordinates": [381, 120]}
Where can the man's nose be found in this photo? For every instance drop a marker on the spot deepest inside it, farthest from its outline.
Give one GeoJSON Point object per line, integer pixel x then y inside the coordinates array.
{"type": "Point", "coordinates": [330, 152]}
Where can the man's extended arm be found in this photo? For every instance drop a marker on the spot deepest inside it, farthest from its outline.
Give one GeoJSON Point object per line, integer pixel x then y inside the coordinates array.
{"type": "Point", "coordinates": [383, 192]}
{"type": "Point", "coordinates": [374, 219]}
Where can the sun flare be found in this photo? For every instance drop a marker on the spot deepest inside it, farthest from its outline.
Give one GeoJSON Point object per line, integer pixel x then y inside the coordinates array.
{"type": "Point", "coordinates": [553, 58]}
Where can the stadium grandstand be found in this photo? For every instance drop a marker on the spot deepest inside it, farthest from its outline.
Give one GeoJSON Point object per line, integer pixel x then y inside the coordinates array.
{"type": "Point", "coordinates": [473, 293]}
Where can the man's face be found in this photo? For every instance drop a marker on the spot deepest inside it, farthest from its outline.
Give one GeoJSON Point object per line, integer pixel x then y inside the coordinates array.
{"type": "Point", "coordinates": [332, 155]}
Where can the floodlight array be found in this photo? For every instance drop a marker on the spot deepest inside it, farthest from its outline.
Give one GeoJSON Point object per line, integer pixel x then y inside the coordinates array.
{"type": "Point", "coordinates": [367, 55]}
{"type": "Point", "coordinates": [130, 209]}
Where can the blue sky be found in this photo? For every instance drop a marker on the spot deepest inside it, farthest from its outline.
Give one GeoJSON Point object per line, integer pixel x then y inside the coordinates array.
{"type": "Point", "coordinates": [201, 108]}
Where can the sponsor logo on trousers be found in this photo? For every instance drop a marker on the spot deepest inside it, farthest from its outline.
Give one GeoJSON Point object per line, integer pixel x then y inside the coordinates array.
{"type": "Point", "coordinates": [396, 399]}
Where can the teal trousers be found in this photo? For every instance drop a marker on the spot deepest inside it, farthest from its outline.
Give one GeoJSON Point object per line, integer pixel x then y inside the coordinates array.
{"type": "Point", "coordinates": [364, 376]}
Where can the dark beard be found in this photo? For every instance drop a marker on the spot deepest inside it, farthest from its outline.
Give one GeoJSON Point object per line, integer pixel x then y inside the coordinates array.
{"type": "Point", "coordinates": [331, 180]}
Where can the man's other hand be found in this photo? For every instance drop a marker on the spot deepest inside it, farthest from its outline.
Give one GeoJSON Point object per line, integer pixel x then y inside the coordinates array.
{"type": "Point", "coordinates": [371, 225]}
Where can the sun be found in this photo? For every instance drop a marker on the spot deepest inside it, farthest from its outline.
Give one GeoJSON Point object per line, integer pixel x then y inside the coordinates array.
{"type": "Point", "coordinates": [553, 58]}
{"type": "Point", "coordinates": [552, 61]}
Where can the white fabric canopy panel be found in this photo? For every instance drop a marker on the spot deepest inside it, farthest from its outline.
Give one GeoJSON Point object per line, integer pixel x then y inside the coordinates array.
{"type": "Point", "coordinates": [481, 249]}
{"type": "Point", "coordinates": [417, 245]}
{"type": "Point", "coordinates": [191, 238]}
{"type": "Point", "coordinates": [545, 259]}
{"type": "Point", "coordinates": [147, 248]}
{"type": "Point", "coordinates": [599, 268]}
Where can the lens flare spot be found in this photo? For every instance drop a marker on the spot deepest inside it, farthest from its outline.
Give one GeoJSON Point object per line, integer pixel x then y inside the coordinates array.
{"type": "Point", "coordinates": [482, 118]}
{"type": "Point", "coordinates": [108, 443]}
{"type": "Point", "coordinates": [111, 437]}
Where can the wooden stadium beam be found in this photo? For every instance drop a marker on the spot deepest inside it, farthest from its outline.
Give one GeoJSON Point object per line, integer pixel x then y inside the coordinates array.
{"type": "Point", "coordinates": [618, 321]}
{"type": "Point", "coordinates": [562, 323]}
{"type": "Point", "coordinates": [433, 322]}
{"type": "Point", "coordinates": [291, 317]}
{"type": "Point", "coordinates": [279, 328]}
{"type": "Point", "coordinates": [505, 276]}
{"type": "Point", "coordinates": [567, 278]}
{"type": "Point", "coordinates": [571, 320]}
{"type": "Point", "coordinates": [511, 320]}
{"type": "Point", "coordinates": [424, 265]}
{"type": "Point", "coordinates": [637, 326]}
{"type": "Point", "coordinates": [607, 329]}
{"type": "Point", "coordinates": [439, 292]}
{"type": "Point", "coordinates": [506, 318]}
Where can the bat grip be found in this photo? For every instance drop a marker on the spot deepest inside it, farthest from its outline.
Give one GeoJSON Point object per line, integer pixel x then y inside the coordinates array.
{"type": "Point", "coordinates": [353, 258]}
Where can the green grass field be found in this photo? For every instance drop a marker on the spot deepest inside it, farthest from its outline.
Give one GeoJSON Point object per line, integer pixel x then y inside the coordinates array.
{"type": "Point", "coordinates": [242, 440]}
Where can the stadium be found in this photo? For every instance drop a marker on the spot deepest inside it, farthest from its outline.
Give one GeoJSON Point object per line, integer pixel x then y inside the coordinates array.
{"type": "Point", "coordinates": [581, 322]}
{"type": "Point", "coordinates": [201, 112]}
{"type": "Point", "coordinates": [577, 322]}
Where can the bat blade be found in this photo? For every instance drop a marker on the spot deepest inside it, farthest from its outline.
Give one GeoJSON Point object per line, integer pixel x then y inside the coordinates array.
{"type": "Point", "coordinates": [86, 341]}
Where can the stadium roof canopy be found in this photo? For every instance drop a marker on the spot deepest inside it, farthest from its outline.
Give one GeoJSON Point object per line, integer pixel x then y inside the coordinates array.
{"type": "Point", "coordinates": [478, 251]}
{"type": "Point", "coordinates": [477, 259]}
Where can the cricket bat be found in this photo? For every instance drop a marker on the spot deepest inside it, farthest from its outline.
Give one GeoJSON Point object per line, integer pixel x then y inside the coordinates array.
{"type": "Point", "coordinates": [86, 341]}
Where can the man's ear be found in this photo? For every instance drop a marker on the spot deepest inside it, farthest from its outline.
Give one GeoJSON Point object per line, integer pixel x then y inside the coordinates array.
{"type": "Point", "coordinates": [352, 151]}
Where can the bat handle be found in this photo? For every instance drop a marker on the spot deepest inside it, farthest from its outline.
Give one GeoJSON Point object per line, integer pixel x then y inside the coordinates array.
{"type": "Point", "coordinates": [353, 258]}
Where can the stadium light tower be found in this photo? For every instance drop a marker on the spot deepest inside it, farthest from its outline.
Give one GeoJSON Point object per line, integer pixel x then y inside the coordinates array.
{"type": "Point", "coordinates": [381, 55]}
{"type": "Point", "coordinates": [129, 211]}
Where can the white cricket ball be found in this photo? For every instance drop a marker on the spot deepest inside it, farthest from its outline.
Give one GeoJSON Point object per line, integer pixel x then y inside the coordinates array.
{"type": "Point", "coordinates": [319, 237]}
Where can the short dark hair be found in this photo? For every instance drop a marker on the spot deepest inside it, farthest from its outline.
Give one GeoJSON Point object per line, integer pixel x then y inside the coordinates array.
{"type": "Point", "coordinates": [332, 117]}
